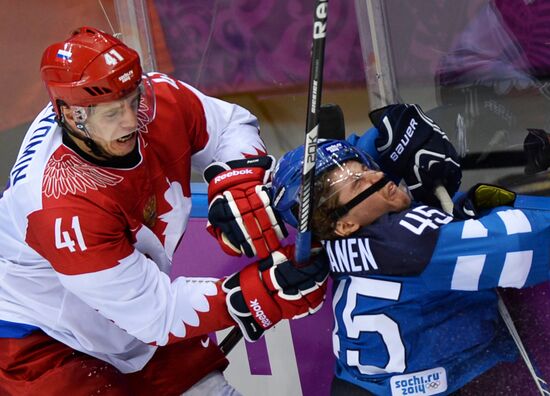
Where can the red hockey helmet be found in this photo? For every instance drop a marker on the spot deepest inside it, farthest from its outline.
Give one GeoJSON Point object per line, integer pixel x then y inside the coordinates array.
{"type": "Point", "coordinates": [88, 68]}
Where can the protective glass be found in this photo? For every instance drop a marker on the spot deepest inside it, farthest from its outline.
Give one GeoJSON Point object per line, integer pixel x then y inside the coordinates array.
{"type": "Point", "coordinates": [353, 171]}
{"type": "Point", "coordinates": [141, 101]}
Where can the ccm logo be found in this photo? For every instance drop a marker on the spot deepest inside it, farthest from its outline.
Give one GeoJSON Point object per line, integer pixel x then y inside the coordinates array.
{"type": "Point", "coordinates": [404, 141]}
{"type": "Point", "coordinates": [236, 172]}
{"type": "Point", "coordinates": [259, 313]}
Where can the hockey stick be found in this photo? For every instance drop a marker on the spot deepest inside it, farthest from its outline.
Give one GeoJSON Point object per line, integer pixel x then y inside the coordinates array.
{"type": "Point", "coordinates": [303, 239]}
{"type": "Point", "coordinates": [447, 205]}
{"type": "Point", "coordinates": [230, 340]}
{"type": "Point", "coordinates": [541, 384]}
{"type": "Point", "coordinates": [444, 198]}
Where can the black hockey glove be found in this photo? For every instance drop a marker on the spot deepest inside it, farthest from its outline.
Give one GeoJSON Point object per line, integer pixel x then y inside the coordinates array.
{"type": "Point", "coordinates": [482, 197]}
{"type": "Point", "coordinates": [537, 150]}
{"type": "Point", "coordinates": [413, 147]}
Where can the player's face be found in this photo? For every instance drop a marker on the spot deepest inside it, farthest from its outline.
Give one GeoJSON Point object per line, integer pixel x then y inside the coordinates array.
{"type": "Point", "coordinates": [113, 125]}
{"type": "Point", "coordinates": [390, 198]}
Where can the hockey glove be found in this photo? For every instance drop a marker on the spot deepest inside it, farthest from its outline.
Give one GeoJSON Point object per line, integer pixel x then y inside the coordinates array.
{"type": "Point", "coordinates": [275, 288]}
{"type": "Point", "coordinates": [412, 146]}
{"type": "Point", "coordinates": [240, 214]}
{"type": "Point", "coordinates": [537, 150]}
{"type": "Point", "coordinates": [481, 197]}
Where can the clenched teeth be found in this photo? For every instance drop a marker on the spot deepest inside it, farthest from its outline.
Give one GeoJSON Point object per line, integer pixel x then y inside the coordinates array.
{"type": "Point", "coordinates": [126, 137]}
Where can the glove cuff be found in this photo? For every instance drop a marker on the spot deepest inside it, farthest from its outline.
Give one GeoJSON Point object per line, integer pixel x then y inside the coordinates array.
{"type": "Point", "coordinates": [221, 176]}
{"type": "Point", "coordinates": [233, 177]}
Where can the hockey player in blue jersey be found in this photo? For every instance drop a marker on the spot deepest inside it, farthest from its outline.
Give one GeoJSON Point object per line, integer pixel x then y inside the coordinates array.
{"type": "Point", "coordinates": [415, 310]}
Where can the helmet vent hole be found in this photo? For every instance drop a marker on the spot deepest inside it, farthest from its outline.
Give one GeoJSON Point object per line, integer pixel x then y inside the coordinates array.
{"type": "Point", "coordinates": [97, 91]}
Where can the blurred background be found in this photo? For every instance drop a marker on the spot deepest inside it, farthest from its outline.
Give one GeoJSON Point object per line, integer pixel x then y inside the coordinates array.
{"type": "Point", "coordinates": [479, 68]}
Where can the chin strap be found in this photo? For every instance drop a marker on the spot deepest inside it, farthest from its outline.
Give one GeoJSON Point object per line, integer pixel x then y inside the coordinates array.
{"type": "Point", "coordinates": [341, 211]}
{"type": "Point", "coordinates": [90, 143]}
{"type": "Point", "coordinates": [87, 139]}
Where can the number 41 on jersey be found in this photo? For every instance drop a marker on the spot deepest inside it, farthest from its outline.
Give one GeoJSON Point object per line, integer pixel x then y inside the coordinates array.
{"type": "Point", "coordinates": [63, 239]}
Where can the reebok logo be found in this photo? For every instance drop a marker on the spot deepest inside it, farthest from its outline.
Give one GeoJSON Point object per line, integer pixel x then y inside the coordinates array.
{"type": "Point", "coordinates": [236, 172]}
{"type": "Point", "coordinates": [404, 140]}
{"type": "Point", "coordinates": [259, 313]}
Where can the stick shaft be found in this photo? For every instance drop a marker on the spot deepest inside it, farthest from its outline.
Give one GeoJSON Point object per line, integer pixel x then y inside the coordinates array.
{"type": "Point", "coordinates": [540, 383]}
{"type": "Point", "coordinates": [303, 239]}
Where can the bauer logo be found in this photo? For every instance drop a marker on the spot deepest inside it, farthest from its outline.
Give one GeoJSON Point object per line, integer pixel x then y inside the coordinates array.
{"type": "Point", "coordinates": [428, 382]}
{"type": "Point", "coordinates": [409, 132]}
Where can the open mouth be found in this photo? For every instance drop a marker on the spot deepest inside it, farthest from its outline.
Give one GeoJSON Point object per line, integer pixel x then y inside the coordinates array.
{"type": "Point", "coordinates": [125, 138]}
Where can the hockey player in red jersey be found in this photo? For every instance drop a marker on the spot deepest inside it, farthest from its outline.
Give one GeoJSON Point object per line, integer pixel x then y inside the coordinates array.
{"type": "Point", "coordinates": [97, 202]}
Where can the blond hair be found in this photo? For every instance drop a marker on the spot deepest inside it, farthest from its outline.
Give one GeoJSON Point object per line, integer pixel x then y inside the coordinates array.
{"type": "Point", "coordinates": [322, 223]}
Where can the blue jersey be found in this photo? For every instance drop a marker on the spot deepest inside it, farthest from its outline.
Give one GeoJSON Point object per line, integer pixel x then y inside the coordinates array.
{"type": "Point", "coordinates": [408, 321]}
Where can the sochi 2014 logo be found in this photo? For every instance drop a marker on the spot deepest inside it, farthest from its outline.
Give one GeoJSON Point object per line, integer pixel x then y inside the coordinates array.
{"type": "Point", "coordinates": [428, 382]}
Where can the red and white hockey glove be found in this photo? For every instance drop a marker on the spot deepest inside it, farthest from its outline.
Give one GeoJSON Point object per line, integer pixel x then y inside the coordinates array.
{"type": "Point", "coordinates": [240, 214]}
{"type": "Point", "coordinates": [275, 288]}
